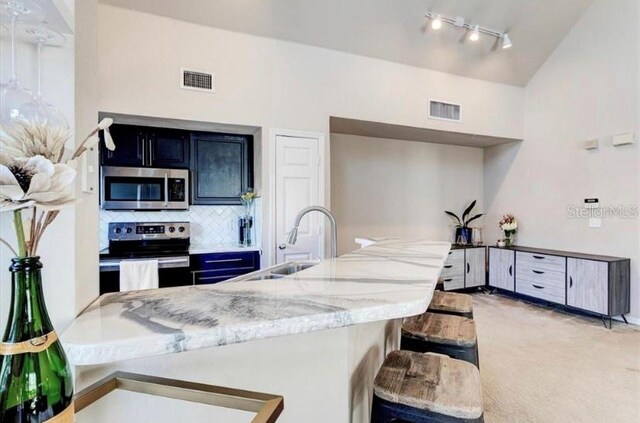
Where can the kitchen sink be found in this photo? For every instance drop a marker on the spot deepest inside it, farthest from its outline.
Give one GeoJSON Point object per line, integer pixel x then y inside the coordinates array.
{"type": "Point", "coordinates": [292, 268]}
{"type": "Point", "coordinates": [265, 277]}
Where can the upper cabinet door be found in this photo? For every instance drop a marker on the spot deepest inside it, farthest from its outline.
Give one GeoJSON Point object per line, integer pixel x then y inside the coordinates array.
{"type": "Point", "coordinates": [475, 267]}
{"type": "Point", "coordinates": [169, 148]}
{"type": "Point", "coordinates": [502, 268]}
{"type": "Point", "coordinates": [588, 285]}
{"type": "Point", "coordinates": [130, 147]}
{"type": "Point", "coordinates": [221, 166]}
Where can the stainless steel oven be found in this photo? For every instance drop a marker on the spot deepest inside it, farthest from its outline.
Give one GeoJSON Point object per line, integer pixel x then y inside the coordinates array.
{"type": "Point", "coordinates": [139, 188]}
{"type": "Point", "coordinates": [167, 242]}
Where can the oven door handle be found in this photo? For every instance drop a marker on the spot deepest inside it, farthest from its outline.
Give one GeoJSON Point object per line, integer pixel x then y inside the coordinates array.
{"type": "Point", "coordinates": [163, 263]}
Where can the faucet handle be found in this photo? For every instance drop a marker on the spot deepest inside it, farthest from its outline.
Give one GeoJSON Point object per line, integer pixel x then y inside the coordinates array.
{"type": "Point", "coordinates": [282, 246]}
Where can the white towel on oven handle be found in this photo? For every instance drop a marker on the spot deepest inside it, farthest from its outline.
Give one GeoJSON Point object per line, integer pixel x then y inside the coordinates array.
{"type": "Point", "coordinates": [138, 274]}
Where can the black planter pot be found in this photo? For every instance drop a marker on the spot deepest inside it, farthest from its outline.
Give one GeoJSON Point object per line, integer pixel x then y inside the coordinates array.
{"type": "Point", "coordinates": [466, 233]}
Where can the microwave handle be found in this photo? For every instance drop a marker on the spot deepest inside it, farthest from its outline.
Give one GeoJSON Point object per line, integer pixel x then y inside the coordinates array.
{"type": "Point", "coordinates": [166, 189]}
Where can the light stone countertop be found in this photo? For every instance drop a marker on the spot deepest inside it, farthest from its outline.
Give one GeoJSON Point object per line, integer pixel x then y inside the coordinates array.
{"type": "Point", "coordinates": [220, 248]}
{"type": "Point", "coordinates": [390, 279]}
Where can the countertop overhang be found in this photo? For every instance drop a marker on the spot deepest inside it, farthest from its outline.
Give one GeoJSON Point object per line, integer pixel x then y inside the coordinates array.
{"type": "Point", "coordinates": [390, 279]}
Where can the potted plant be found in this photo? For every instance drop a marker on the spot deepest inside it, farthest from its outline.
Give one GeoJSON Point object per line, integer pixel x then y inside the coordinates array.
{"type": "Point", "coordinates": [463, 231]}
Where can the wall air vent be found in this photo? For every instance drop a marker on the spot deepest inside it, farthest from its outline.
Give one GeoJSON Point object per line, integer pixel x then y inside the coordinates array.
{"type": "Point", "coordinates": [197, 80]}
{"type": "Point", "coordinates": [445, 111]}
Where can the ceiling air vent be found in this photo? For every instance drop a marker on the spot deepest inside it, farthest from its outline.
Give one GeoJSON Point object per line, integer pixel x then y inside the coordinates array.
{"type": "Point", "coordinates": [444, 111]}
{"type": "Point", "coordinates": [196, 80]}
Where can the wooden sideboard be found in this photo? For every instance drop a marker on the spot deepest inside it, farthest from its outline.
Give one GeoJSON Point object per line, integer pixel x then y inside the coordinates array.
{"type": "Point", "coordinates": [590, 283]}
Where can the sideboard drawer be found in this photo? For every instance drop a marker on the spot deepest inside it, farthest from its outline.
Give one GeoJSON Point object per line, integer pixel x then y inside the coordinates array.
{"type": "Point", "coordinates": [455, 269]}
{"type": "Point", "coordinates": [541, 289]}
{"type": "Point", "coordinates": [541, 262]}
{"type": "Point", "coordinates": [451, 283]}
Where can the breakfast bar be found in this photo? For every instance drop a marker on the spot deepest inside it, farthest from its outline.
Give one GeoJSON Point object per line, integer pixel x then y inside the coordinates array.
{"type": "Point", "coordinates": [317, 336]}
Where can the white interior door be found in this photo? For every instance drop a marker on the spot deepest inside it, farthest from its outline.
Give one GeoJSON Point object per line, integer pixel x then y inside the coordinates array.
{"type": "Point", "coordinates": [297, 163]}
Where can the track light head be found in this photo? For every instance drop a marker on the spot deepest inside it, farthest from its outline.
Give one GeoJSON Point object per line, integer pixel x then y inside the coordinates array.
{"type": "Point", "coordinates": [475, 33]}
{"type": "Point", "coordinates": [506, 41]}
{"type": "Point", "coordinates": [436, 22]}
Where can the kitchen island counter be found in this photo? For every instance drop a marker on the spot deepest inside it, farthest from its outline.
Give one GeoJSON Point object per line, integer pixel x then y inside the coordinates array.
{"type": "Point", "coordinates": [388, 280]}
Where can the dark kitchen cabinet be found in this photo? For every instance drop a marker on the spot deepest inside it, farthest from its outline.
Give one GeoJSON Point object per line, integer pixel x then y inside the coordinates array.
{"type": "Point", "coordinates": [218, 267]}
{"type": "Point", "coordinates": [221, 166]}
{"type": "Point", "coordinates": [169, 148]}
{"type": "Point", "coordinates": [130, 146]}
{"type": "Point", "coordinates": [142, 146]}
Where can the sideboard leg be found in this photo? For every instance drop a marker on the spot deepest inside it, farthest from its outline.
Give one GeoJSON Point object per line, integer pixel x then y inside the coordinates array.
{"type": "Point", "coordinates": [624, 318]}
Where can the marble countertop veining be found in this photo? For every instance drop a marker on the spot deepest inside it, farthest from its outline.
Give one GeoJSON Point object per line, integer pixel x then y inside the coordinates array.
{"type": "Point", "coordinates": [390, 279]}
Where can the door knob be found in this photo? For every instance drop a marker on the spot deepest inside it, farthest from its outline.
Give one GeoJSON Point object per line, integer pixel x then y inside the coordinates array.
{"type": "Point", "coordinates": [282, 246]}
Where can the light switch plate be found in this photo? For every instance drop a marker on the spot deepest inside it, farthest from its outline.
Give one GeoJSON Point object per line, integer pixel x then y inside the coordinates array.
{"type": "Point", "coordinates": [595, 222]}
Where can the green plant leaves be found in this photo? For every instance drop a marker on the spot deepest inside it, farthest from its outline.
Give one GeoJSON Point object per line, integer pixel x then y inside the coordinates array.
{"type": "Point", "coordinates": [468, 210]}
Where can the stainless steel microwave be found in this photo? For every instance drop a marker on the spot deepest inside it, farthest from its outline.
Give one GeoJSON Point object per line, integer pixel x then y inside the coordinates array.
{"type": "Point", "coordinates": [142, 188]}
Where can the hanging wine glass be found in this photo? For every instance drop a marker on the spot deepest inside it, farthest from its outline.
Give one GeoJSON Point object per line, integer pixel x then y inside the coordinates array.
{"type": "Point", "coordinates": [12, 93]}
{"type": "Point", "coordinates": [38, 110]}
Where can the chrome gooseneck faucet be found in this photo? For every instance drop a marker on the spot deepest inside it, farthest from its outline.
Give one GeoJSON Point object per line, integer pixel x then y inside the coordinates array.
{"type": "Point", "coordinates": [293, 234]}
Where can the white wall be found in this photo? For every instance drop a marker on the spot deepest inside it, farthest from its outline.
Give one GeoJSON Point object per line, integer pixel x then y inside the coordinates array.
{"type": "Point", "coordinates": [277, 84]}
{"type": "Point", "coordinates": [58, 244]}
{"type": "Point", "coordinates": [384, 187]}
{"type": "Point", "coordinates": [588, 88]}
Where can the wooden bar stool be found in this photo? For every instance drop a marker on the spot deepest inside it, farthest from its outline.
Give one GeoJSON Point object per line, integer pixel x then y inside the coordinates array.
{"type": "Point", "coordinates": [454, 336]}
{"type": "Point", "coordinates": [452, 303]}
{"type": "Point", "coordinates": [440, 285]}
{"type": "Point", "coordinates": [416, 388]}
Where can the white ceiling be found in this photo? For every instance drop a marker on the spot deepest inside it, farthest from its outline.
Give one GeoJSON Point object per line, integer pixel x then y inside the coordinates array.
{"type": "Point", "coordinates": [396, 30]}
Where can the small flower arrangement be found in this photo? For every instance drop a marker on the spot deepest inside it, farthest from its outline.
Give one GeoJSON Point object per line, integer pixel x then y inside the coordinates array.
{"type": "Point", "coordinates": [247, 199]}
{"type": "Point", "coordinates": [509, 226]}
{"type": "Point", "coordinates": [37, 174]}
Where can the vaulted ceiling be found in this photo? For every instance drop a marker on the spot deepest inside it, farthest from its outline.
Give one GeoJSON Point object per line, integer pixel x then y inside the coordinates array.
{"type": "Point", "coordinates": [396, 30]}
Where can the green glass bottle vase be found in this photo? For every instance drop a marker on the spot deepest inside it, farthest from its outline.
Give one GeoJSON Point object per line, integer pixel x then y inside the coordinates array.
{"type": "Point", "coordinates": [36, 384]}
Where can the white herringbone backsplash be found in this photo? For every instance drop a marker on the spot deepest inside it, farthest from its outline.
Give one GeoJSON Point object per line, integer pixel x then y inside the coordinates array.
{"type": "Point", "coordinates": [209, 224]}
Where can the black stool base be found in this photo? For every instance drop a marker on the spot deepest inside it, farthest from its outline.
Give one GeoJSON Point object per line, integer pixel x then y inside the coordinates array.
{"type": "Point", "coordinates": [388, 412]}
{"type": "Point", "coordinates": [468, 354]}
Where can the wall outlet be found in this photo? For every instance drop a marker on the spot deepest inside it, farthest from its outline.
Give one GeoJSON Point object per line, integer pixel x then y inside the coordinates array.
{"type": "Point", "coordinates": [595, 222]}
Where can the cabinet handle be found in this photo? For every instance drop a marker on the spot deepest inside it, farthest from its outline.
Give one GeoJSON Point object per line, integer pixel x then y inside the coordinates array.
{"type": "Point", "coordinates": [447, 280]}
{"type": "Point", "coordinates": [222, 261]}
{"type": "Point", "coordinates": [166, 189]}
{"type": "Point", "coordinates": [539, 272]}
{"type": "Point", "coordinates": [468, 268]}
{"type": "Point", "coordinates": [538, 286]}
{"type": "Point", "coordinates": [448, 266]}
{"type": "Point", "coordinates": [511, 270]}
{"type": "Point", "coordinates": [539, 257]}
{"type": "Point", "coordinates": [570, 282]}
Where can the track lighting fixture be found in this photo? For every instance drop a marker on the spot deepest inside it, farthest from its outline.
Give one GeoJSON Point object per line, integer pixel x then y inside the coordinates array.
{"type": "Point", "coordinates": [437, 20]}
{"type": "Point", "coordinates": [475, 34]}
{"type": "Point", "coordinates": [506, 41]}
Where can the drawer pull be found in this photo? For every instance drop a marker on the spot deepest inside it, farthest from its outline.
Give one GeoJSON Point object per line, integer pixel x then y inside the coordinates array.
{"type": "Point", "coordinates": [447, 280]}
{"type": "Point", "coordinates": [539, 257]}
{"type": "Point", "coordinates": [570, 282]}
{"type": "Point", "coordinates": [222, 261]}
{"type": "Point", "coordinates": [207, 278]}
{"type": "Point", "coordinates": [538, 272]}
{"type": "Point", "coordinates": [538, 286]}
{"type": "Point", "coordinates": [468, 267]}
{"type": "Point", "coordinates": [449, 266]}
{"type": "Point", "coordinates": [511, 270]}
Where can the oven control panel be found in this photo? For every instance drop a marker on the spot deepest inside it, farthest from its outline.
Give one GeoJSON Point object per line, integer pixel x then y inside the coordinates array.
{"type": "Point", "coordinates": [134, 231]}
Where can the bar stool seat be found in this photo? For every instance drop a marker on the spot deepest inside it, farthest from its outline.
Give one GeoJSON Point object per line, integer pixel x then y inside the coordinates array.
{"type": "Point", "coordinates": [447, 334]}
{"type": "Point", "coordinates": [429, 387]}
{"type": "Point", "coordinates": [452, 303]}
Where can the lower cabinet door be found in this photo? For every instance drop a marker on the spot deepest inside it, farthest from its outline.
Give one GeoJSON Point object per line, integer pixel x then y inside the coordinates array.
{"type": "Point", "coordinates": [502, 268]}
{"type": "Point", "coordinates": [475, 267]}
{"type": "Point", "coordinates": [588, 285]}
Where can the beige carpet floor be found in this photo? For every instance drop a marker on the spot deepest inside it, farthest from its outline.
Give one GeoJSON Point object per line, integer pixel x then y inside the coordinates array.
{"type": "Point", "coordinates": [543, 365]}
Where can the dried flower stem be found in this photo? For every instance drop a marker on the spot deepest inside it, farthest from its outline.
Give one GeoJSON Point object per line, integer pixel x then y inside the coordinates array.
{"type": "Point", "coordinates": [13, 251]}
